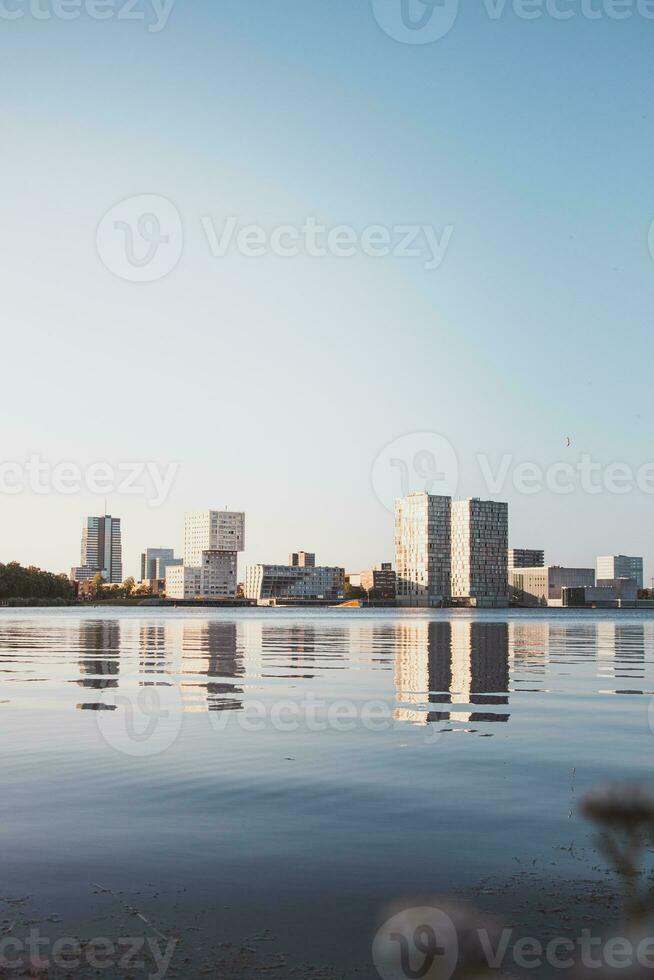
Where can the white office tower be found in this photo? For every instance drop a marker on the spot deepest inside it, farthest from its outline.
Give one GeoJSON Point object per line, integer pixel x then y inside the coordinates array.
{"type": "Point", "coordinates": [212, 530]}
{"type": "Point", "coordinates": [480, 532]}
{"type": "Point", "coordinates": [620, 566]}
{"type": "Point", "coordinates": [212, 540]}
{"type": "Point", "coordinates": [422, 549]}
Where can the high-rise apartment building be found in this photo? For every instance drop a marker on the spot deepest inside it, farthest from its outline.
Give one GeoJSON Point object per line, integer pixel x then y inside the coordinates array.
{"type": "Point", "coordinates": [101, 550]}
{"type": "Point", "coordinates": [212, 540]}
{"type": "Point", "coordinates": [620, 566]}
{"type": "Point", "coordinates": [526, 558]}
{"type": "Point", "coordinates": [422, 549]}
{"type": "Point", "coordinates": [448, 549]}
{"type": "Point", "coordinates": [480, 535]}
{"type": "Point", "coordinates": [302, 559]}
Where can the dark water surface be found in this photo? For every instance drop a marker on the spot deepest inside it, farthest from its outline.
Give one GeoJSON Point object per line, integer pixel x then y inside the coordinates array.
{"type": "Point", "coordinates": [213, 775]}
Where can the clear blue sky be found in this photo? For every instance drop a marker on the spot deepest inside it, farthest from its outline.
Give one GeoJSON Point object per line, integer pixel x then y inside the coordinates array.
{"type": "Point", "coordinates": [275, 382]}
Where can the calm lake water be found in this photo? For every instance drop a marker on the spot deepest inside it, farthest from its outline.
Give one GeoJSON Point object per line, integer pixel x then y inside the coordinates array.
{"type": "Point", "coordinates": [278, 780]}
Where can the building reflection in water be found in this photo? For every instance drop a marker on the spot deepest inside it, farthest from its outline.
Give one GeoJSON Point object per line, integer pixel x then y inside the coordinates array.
{"type": "Point", "coordinates": [621, 652]}
{"type": "Point", "coordinates": [210, 650]}
{"type": "Point", "coordinates": [460, 662]}
{"type": "Point", "coordinates": [297, 650]}
{"type": "Point", "coordinates": [99, 653]}
{"type": "Point", "coordinates": [154, 648]}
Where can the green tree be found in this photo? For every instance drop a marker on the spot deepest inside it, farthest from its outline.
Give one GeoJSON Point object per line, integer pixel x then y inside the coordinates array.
{"type": "Point", "coordinates": [17, 582]}
{"type": "Point", "coordinates": [97, 585]}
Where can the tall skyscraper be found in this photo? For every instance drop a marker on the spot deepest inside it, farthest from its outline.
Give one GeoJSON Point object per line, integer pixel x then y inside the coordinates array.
{"type": "Point", "coordinates": [620, 566]}
{"type": "Point", "coordinates": [480, 535]}
{"type": "Point", "coordinates": [101, 550]}
{"type": "Point", "coordinates": [422, 549]}
{"type": "Point", "coordinates": [448, 549]}
{"type": "Point", "coordinates": [212, 540]}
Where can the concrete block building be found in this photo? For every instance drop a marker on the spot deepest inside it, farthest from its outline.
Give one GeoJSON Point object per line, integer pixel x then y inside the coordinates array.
{"type": "Point", "coordinates": [212, 540]}
{"type": "Point", "coordinates": [543, 586]}
{"type": "Point", "coordinates": [183, 582]}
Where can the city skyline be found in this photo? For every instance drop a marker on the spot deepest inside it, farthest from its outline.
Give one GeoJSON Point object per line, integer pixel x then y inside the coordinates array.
{"type": "Point", "coordinates": [467, 542]}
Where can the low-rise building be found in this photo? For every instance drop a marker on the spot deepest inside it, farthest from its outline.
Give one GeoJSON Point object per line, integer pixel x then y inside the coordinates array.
{"type": "Point", "coordinates": [623, 588]}
{"type": "Point", "coordinates": [543, 586]}
{"type": "Point", "coordinates": [183, 582]}
{"type": "Point", "coordinates": [379, 582]}
{"type": "Point", "coordinates": [294, 582]}
{"type": "Point", "coordinates": [606, 592]}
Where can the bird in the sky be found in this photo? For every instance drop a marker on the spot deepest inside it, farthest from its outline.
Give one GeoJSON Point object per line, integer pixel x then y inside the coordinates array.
{"type": "Point", "coordinates": [568, 441]}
